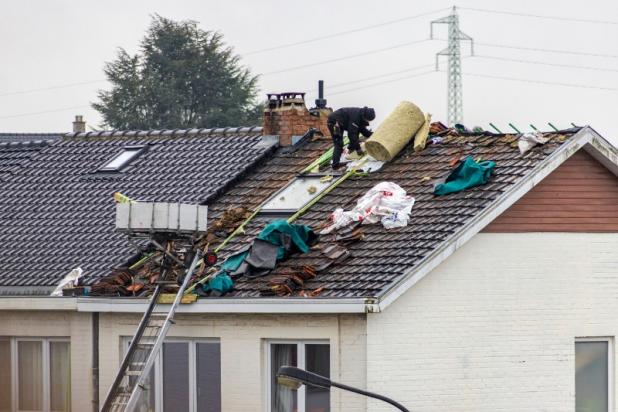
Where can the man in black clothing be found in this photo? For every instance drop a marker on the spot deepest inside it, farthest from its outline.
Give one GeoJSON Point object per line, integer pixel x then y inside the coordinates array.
{"type": "Point", "coordinates": [353, 120]}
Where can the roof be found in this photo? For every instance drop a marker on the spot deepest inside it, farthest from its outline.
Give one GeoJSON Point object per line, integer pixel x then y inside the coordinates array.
{"type": "Point", "coordinates": [380, 262]}
{"type": "Point", "coordinates": [58, 212]}
{"type": "Point", "coordinates": [28, 137]}
{"type": "Point", "coordinates": [381, 266]}
{"type": "Point", "coordinates": [15, 155]}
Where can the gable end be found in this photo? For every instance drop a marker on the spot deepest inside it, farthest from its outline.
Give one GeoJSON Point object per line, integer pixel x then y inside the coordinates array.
{"type": "Point", "coordinates": [581, 195]}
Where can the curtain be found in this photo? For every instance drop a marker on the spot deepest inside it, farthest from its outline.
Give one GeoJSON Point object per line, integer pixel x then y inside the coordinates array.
{"type": "Point", "coordinates": [60, 376]}
{"type": "Point", "coordinates": [317, 360]}
{"type": "Point", "coordinates": [30, 370]}
{"type": "Point", "coordinates": [146, 400]}
{"type": "Point", "coordinates": [5, 375]}
{"type": "Point", "coordinates": [283, 399]}
{"type": "Point", "coordinates": [208, 377]}
{"type": "Point", "coordinates": [175, 376]}
{"type": "Point", "coordinates": [591, 376]}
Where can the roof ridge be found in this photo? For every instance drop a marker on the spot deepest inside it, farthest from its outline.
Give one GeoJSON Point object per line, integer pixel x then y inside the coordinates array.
{"type": "Point", "coordinates": [168, 132]}
{"type": "Point", "coordinates": [26, 143]}
{"type": "Point", "coordinates": [31, 134]}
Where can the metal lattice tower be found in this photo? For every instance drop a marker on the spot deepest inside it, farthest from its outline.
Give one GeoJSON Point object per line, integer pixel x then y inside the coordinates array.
{"type": "Point", "coordinates": [453, 74]}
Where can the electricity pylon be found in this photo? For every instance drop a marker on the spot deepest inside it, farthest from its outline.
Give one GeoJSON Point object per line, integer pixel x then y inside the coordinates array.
{"type": "Point", "coordinates": [453, 72]}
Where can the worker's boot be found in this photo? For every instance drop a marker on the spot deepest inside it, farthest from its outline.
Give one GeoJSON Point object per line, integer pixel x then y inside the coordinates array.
{"type": "Point", "coordinates": [355, 155]}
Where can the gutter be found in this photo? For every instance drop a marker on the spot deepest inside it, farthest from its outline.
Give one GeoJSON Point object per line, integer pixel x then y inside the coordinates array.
{"type": "Point", "coordinates": [48, 303]}
{"type": "Point", "coordinates": [232, 305]}
{"type": "Point", "coordinates": [208, 305]}
{"type": "Point", "coordinates": [582, 138]}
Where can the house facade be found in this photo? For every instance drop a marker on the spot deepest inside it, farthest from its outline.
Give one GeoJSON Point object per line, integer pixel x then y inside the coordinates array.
{"type": "Point", "coordinates": [500, 297]}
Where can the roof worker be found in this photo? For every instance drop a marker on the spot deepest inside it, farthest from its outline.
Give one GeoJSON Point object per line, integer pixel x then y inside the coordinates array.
{"type": "Point", "coordinates": [353, 120]}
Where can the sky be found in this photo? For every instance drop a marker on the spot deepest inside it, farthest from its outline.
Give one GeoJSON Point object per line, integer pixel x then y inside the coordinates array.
{"type": "Point", "coordinates": [54, 52]}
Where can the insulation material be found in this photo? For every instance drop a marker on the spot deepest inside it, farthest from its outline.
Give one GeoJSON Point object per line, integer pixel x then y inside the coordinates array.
{"type": "Point", "coordinates": [395, 131]}
{"type": "Point", "coordinates": [386, 202]}
{"type": "Point", "coordinates": [420, 138]}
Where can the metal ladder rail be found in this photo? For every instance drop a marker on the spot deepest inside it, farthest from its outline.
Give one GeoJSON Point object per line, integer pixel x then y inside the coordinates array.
{"type": "Point", "coordinates": [137, 388]}
{"type": "Point", "coordinates": [116, 386]}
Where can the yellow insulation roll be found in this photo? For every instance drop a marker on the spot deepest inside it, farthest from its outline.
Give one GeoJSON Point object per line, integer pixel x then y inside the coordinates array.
{"type": "Point", "coordinates": [395, 131]}
{"type": "Point", "coordinates": [420, 138]}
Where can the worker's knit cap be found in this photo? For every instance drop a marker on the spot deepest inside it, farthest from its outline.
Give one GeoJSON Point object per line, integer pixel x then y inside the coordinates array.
{"type": "Point", "coordinates": [369, 113]}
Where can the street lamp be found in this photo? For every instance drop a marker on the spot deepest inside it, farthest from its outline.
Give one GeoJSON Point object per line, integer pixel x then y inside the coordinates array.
{"type": "Point", "coordinates": [294, 377]}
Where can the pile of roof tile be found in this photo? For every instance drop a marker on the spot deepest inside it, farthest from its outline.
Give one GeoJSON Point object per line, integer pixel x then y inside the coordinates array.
{"type": "Point", "coordinates": [141, 277]}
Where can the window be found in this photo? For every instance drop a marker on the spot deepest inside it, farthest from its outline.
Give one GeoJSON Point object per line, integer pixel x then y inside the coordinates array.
{"type": "Point", "coordinates": [186, 377]}
{"type": "Point", "coordinates": [311, 356]}
{"type": "Point", "coordinates": [35, 374]}
{"type": "Point", "coordinates": [296, 194]}
{"type": "Point", "coordinates": [593, 375]}
{"type": "Point", "coordinates": [122, 159]}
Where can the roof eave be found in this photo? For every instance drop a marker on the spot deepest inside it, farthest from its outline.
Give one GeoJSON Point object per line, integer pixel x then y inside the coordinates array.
{"type": "Point", "coordinates": [210, 305]}
{"type": "Point", "coordinates": [232, 305]}
{"type": "Point", "coordinates": [586, 138]}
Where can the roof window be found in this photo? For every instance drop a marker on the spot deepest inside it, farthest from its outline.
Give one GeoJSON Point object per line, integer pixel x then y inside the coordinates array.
{"type": "Point", "coordinates": [122, 159]}
{"type": "Point", "coordinates": [295, 195]}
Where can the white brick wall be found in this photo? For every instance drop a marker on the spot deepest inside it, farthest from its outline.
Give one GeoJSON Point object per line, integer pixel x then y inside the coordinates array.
{"type": "Point", "coordinates": [493, 327]}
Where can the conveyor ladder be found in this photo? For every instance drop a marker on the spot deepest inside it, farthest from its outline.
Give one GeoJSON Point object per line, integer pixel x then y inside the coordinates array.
{"type": "Point", "coordinates": [130, 381]}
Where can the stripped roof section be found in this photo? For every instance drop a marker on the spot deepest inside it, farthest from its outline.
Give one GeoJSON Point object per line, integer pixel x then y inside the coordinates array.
{"type": "Point", "coordinates": [382, 257]}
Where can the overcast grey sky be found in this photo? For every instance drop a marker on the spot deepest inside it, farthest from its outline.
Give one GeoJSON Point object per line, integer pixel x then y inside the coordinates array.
{"type": "Point", "coordinates": [58, 42]}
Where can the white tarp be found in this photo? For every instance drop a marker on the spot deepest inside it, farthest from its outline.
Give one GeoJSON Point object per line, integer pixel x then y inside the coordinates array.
{"type": "Point", "coordinates": [386, 202]}
{"type": "Point", "coordinates": [528, 140]}
{"type": "Point", "coordinates": [69, 281]}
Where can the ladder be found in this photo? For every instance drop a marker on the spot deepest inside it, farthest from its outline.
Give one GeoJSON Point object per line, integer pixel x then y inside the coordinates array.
{"type": "Point", "coordinates": [130, 382]}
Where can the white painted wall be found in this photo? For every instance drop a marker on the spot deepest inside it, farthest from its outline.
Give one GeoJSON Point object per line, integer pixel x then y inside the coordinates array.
{"type": "Point", "coordinates": [242, 337]}
{"type": "Point", "coordinates": [73, 325]}
{"type": "Point", "coordinates": [243, 364]}
{"type": "Point", "coordinates": [493, 327]}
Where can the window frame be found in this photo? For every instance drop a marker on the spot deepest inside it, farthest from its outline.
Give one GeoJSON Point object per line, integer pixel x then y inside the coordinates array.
{"type": "Point", "coordinates": [158, 368]}
{"type": "Point", "coordinates": [137, 149]}
{"type": "Point", "coordinates": [46, 367]}
{"type": "Point", "coordinates": [301, 360]}
{"type": "Point", "coordinates": [610, 365]}
{"type": "Point", "coordinates": [289, 190]}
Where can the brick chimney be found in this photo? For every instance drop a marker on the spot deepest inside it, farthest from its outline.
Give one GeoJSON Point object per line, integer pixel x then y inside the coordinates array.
{"type": "Point", "coordinates": [287, 116]}
{"type": "Point", "coordinates": [79, 125]}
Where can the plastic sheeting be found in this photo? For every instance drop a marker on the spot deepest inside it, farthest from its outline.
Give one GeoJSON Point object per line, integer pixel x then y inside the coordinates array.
{"type": "Point", "coordinates": [386, 202]}
{"type": "Point", "coordinates": [69, 281]}
{"type": "Point", "coordinates": [528, 140]}
{"type": "Point", "coordinates": [468, 174]}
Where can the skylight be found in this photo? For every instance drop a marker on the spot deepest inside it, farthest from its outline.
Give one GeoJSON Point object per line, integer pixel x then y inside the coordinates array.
{"type": "Point", "coordinates": [122, 159]}
{"type": "Point", "coordinates": [296, 194]}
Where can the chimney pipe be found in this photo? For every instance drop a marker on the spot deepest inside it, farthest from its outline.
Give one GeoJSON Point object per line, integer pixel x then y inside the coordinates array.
{"type": "Point", "coordinates": [79, 125]}
{"type": "Point", "coordinates": [320, 102]}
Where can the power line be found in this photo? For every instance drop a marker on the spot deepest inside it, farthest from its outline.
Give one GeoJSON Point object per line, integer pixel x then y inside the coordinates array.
{"type": "Point", "coordinates": [570, 66]}
{"type": "Point", "coordinates": [381, 83]}
{"type": "Point", "coordinates": [539, 16]}
{"type": "Point", "coordinates": [61, 86]}
{"type": "Point", "coordinates": [342, 33]}
{"type": "Point", "coordinates": [378, 76]}
{"type": "Point", "coordinates": [536, 49]}
{"type": "Point", "coordinates": [581, 86]}
{"type": "Point", "coordinates": [43, 112]}
{"type": "Point", "coordinates": [351, 56]}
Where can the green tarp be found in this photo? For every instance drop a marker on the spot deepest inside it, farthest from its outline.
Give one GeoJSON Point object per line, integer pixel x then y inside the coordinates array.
{"type": "Point", "coordinates": [300, 234]}
{"type": "Point", "coordinates": [300, 237]}
{"type": "Point", "coordinates": [468, 174]}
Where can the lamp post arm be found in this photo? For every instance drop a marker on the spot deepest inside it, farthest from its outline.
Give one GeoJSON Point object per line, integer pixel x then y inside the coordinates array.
{"type": "Point", "coordinates": [370, 394]}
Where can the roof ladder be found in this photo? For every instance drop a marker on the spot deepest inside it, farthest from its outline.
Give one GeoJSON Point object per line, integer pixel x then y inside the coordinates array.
{"type": "Point", "coordinates": [130, 381]}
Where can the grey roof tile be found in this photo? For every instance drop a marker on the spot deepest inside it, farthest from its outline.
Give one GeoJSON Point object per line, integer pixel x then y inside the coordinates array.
{"type": "Point", "coordinates": [57, 210]}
